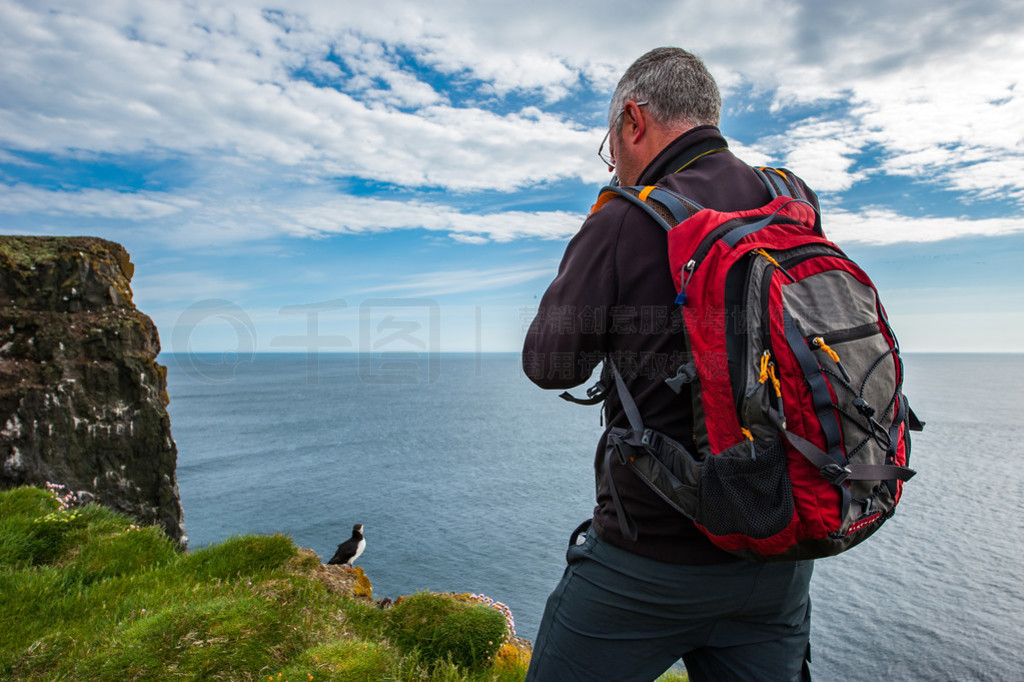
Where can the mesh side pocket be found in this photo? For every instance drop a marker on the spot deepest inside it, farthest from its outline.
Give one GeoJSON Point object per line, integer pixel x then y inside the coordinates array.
{"type": "Point", "coordinates": [750, 496]}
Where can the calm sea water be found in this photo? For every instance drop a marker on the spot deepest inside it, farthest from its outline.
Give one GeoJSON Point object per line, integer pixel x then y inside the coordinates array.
{"type": "Point", "coordinates": [469, 478]}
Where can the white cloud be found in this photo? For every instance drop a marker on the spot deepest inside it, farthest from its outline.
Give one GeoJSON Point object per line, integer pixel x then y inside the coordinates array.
{"type": "Point", "coordinates": [218, 215]}
{"type": "Point", "coordinates": [461, 281]}
{"type": "Point", "coordinates": [937, 116]}
{"type": "Point", "coordinates": [8, 158]}
{"type": "Point", "coordinates": [936, 97]}
{"type": "Point", "coordinates": [331, 119]}
{"type": "Point", "coordinates": [884, 226]}
{"type": "Point", "coordinates": [223, 83]}
{"type": "Point", "coordinates": [821, 149]}
{"type": "Point", "coordinates": [350, 215]}
{"type": "Point", "coordinates": [504, 73]}
{"type": "Point", "coordinates": [27, 199]}
{"type": "Point", "coordinates": [153, 288]}
{"type": "Point", "coordinates": [443, 98]}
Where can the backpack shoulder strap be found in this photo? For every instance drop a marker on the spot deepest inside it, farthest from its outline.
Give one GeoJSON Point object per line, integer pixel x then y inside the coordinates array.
{"type": "Point", "coordinates": [666, 207]}
{"type": "Point", "coordinates": [770, 177]}
{"type": "Point", "coordinates": [779, 182]}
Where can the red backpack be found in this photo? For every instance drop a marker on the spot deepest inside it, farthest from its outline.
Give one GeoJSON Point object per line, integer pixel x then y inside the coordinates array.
{"type": "Point", "coordinates": [801, 427]}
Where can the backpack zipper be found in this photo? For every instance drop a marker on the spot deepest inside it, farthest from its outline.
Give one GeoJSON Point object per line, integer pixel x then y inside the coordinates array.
{"type": "Point", "coordinates": [852, 334]}
{"type": "Point", "coordinates": [709, 241]}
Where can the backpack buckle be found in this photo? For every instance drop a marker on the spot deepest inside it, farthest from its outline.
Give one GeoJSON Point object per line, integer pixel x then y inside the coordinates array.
{"type": "Point", "coordinates": [619, 439]}
{"type": "Point", "coordinates": [835, 474]}
{"type": "Point", "coordinates": [685, 374]}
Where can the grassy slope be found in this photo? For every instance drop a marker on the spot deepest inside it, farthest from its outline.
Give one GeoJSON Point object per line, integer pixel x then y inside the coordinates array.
{"type": "Point", "coordinates": [85, 595]}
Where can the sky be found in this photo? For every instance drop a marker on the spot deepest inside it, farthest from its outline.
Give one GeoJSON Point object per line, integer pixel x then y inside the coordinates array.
{"type": "Point", "coordinates": [319, 176]}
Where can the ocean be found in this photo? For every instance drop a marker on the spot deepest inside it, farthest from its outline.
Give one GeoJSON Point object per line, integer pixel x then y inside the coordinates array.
{"type": "Point", "coordinates": [469, 479]}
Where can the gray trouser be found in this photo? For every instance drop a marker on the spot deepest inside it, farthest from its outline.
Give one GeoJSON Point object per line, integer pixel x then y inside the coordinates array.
{"type": "Point", "coordinates": [617, 617]}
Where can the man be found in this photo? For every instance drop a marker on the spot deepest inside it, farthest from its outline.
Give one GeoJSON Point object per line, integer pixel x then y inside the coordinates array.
{"type": "Point", "coordinates": [633, 603]}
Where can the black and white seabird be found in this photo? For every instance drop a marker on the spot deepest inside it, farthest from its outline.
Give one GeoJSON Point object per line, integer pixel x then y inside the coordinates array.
{"type": "Point", "coordinates": [350, 550]}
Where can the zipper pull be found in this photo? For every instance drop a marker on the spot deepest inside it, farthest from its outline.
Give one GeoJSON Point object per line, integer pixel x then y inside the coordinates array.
{"type": "Point", "coordinates": [684, 278]}
{"type": "Point", "coordinates": [776, 384]}
{"type": "Point", "coordinates": [766, 358]}
{"type": "Point", "coordinates": [820, 343]}
{"type": "Point", "coordinates": [768, 257]}
{"type": "Point", "coordinates": [768, 372]}
{"type": "Point", "coordinates": [750, 439]}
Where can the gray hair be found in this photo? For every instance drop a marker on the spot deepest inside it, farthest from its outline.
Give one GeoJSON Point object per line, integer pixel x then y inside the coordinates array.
{"type": "Point", "coordinates": [677, 86]}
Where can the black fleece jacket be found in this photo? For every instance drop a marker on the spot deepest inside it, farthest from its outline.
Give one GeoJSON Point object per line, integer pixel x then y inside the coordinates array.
{"type": "Point", "coordinates": [614, 296]}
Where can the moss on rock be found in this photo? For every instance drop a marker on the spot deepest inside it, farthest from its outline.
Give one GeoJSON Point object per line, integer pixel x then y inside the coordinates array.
{"type": "Point", "coordinates": [82, 398]}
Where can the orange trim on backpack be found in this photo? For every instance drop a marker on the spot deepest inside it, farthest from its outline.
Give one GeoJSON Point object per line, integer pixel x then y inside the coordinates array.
{"type": "Point", "coordinates": [769, 168]}
{"type": "Point", "coordinates": [602, 199]}
{"type": "Point", "coordinates": [646, 192]}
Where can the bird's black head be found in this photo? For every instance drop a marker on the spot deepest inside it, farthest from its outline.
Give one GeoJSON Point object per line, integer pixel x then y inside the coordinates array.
{"type": "Point", "coordinates": [357, 529]}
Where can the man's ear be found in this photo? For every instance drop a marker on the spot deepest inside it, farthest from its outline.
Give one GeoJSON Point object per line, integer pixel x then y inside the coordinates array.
{"type": "Point", "coordinates": [634, 125]}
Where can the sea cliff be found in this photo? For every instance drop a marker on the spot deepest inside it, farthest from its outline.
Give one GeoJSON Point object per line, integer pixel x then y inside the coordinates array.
{"type": "Point", "coordinates": [82, 398]}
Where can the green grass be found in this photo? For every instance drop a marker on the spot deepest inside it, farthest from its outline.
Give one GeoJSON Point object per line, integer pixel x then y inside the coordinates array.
{"type": "Point", "coordinates": [87, 595]}
{"type": "Point", "coordinates": [440, 628]}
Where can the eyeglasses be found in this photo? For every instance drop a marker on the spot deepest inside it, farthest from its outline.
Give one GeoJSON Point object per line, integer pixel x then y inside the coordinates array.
{"type": "Point", "coordinates": [600, 150]}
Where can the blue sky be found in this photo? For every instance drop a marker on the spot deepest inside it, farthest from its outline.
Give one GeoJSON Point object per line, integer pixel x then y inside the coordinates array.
{"type": "Point", "coordinates": [398, 176]}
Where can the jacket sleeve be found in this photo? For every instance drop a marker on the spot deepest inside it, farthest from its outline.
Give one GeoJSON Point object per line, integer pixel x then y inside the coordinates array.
{"type": "Point", "coordinates": [568, 336]}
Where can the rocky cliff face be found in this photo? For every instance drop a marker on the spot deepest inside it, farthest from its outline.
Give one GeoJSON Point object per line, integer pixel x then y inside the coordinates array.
{"type": "Point", "coordinates": [82, 399]}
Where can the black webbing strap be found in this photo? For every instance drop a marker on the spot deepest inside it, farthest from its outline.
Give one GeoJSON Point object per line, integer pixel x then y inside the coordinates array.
{"type": "Point", "coordinates": [908, 419]}
{"type": "Point", "coordinates": [626, 523]}
{"type": "Point", "coordinates": [595, 395]}
{"type": "Point", "coordinates": [833, 465]}
{"type": "Point", "coordinates": [818, 385]}
{"type": "Point", "coordinates": [621, 440]}
{"type": "Point", "coordinates": [916, 424]}
{"type": "Point", "coordinates": [894, 439]}
{"type": "Point", "coordinates": [668, 209]}
{"type": "Point", "coordinates": [894, 430]}
{"type": "Point", "coordinates": [779, 184]}
{"type": "Point", "coordinates": [836, 474]}
{"type": "Point", "coordinates": [629, 406]}
{"type": "Point", "coordinates": [631, 194]}
{"type": "Point", "coordinates": [733, 236]}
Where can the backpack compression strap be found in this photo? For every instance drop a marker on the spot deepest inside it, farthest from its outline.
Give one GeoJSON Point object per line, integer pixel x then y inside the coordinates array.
{"type": "Point", "coordinates": [621, 440]}
{"type": "Point", "coordinates": [595, 394]}
{"type": "Point", "coordinates": [646, 452]}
